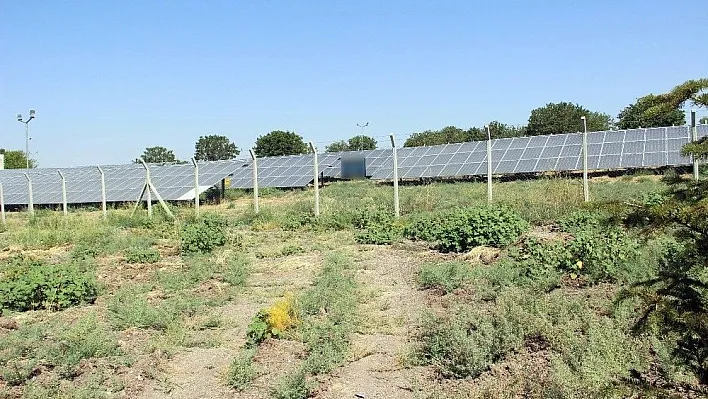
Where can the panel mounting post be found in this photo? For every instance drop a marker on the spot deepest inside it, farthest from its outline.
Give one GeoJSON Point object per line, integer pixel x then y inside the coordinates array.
{"type": "Point", "coordinates": [196, 186]}
{"type": "Point", "coordinates": [103, 192]}
{"type": "Point", "coordinates": [489, 164]}
{"type": "Point", "coordinates": [317, 179]}
{"type": "Point", "coordinates": [150, 188]}
{"type": "Point", "coordinates": [30, 198]}
{"type": "Point", "coordinates": [396, 203]}
{"type": "Point", "coordinates": [255, 180]}
{"type": "Point", "coordinates": [148, 193]}
{"type": "Point", "coordinates": [63, 193]}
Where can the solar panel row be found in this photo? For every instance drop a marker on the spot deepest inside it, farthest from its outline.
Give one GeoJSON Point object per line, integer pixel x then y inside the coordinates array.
{"type": "Point", "coordinates": [606, 150]}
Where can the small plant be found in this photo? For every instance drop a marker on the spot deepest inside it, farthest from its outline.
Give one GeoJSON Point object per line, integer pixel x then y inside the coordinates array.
{"type": "Point", "coordinates": [28, 284]}
{"type": "Point", "coordinates": [272, 322]}
{"type": "Point", "coordinates": [447, 276]}
{"type": "Point", "coordinates": [466, 344]}
{"type": "Point", "coordinates": [241, 371]}
{"type": "Point", "coordinates": [142, 255]}
{"type": "Point", "coordinates": [293, 386]}
{"type": "Point", "coordinates": [463, 229]}
{"type": "Point", "coordinates": [203, 235]}
{"type": "Point", "coordinates": [291, 250]}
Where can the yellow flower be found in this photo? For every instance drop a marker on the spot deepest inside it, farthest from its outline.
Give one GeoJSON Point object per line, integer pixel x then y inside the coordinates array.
{"type": "Point", "coordinates": [281, 314]}
{"type": "Point", "coordinates": [579, 265]}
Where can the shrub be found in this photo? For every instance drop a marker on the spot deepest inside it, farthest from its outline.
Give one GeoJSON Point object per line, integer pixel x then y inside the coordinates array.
{"type": "Point", "coordinates": [464, 229]}
{"type": "Point", "coordinates": [582, 220]}
{"type": "Point", "coordinates": [447, 276]}
{"type": "Point", "coordinates": [600, 254]}
{"type": "Point", "coordinates": [203, 235]}
{"type": "Point", "coordinates": [272, 322]}
{"type": "Point", "coordinates": [466, 344]}
{"type": "Point", "coordinates": [128, 308]}
{"type": "Point", "coordinates": [379, 234]}
{"type": "Point", "coordinates": [293, 386]}
{"type": "Point", "coordinates": [142, 255]}
{"type": "Point", "coordinates": [241, 371]}
{"type": "Point", "coordinates": [31, 284]}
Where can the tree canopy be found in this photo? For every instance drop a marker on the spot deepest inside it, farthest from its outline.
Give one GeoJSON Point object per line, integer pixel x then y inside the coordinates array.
{"type": "Point", "coordinates": [635, 115]}
{"type": "Point", "coordinates": [356, 143]}
{"type": "Point", "coordinates": [215, 148]}
{"type": "Point", "coordinates": [694, 92]}
{"type": "Point", "coordinates": [158, 154]}
{"type": "Point", "coordinates": [449, 134]}
{"type": "Point", "coordinates": [279, 142]}
{"type": "Point", "coordinates": [564, 117]}
{"type": "Point", "coordinates": [16, 159]}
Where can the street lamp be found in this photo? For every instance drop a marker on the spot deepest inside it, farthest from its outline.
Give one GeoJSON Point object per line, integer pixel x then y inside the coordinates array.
{"type": "Point", "coordinates": [362, 133]}
{"type": "Point", "coordinates": [27, 138]}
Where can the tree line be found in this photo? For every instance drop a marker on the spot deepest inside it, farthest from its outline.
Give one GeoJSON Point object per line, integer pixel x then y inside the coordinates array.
{"type": "Point", "coordinates": [553, 118]}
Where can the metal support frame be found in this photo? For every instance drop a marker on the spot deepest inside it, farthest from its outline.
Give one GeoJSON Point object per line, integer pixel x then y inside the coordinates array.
{"type": "Point", "coordinates": [317, 179]}
{"type": "Point", "coordinates": [196, 186]}
{"type": "Point", "coordinates": [586, 185]}
{"type": "Point", "coordinates": [103, 192]}
{"type": "Point", "coordinates": [30, 195]}
{"type": "Point", "coordinates": [63, 194]}
{"type": "Point", "coordinates": [396, 203]}
{"type": "Point", "coordinates": [255, 180]}
{"type": "Point", "coordinates": [489, 164]}
{"type": "Point", "coordinates": [2, 205]}
{"type": "Point", "coordinates": [148, 189]}
{"type": "Point", "coordinates": [694, 137]}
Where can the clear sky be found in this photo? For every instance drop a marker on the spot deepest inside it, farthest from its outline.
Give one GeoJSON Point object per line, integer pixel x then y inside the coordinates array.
{"type": "Point", "coordinates": [109, 78]}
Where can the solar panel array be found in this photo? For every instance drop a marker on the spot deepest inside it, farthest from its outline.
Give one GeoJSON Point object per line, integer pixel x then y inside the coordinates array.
{"type": "Point", "coordinates": [636, 148]}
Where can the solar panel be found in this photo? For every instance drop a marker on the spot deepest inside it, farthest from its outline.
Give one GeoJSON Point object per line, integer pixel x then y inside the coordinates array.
{"type": "Point", "coordinates": [634, 148]}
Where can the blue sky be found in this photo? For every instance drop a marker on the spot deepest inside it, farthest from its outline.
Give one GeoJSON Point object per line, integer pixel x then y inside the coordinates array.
{"type": "Point", "coordinates": [110, 78]}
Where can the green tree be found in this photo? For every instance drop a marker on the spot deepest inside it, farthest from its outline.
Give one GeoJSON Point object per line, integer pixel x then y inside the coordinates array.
{"type": "Point", "coordinates": [500, 130]}
{"type": "Point", "coordinates": [16, 159]}
{"type": "Point", "coordinates": [564, 117]}
{"type": "Point", "coordinates": [215, 148]}
{"type": "Point", "coordinates": [338, 146]}
{"type": "Point", "coordinates": [449, 134]}
{"type": "Point", "coordinates": [676, 301]}
{"type": "Point", "coordinates": [691, 91]}
{"type": "Point", "coordinates": [157, 155]}
{"type": "Point", "coordinates": [280, 142]}
{"type": "Point", "coordinates": [636, 116]}
{"type": "Point", "coordinates": [360, 143]}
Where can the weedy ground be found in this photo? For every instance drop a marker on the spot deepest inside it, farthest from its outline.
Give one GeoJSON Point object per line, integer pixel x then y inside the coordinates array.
{"type": "Point", "coordinates": [155, 308]}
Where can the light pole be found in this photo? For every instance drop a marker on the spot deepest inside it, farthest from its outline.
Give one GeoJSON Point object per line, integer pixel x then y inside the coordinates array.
{"type": "Point", "coordinates": [27, 138]}
{"type": "Point", "coordinates": [361, 136]}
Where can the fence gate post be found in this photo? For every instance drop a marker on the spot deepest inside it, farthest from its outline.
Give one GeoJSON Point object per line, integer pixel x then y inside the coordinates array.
{"type": "Point", "coordinates": [396, 203]}
{"type": "Point", "coordinates": [694, 137]}
{"type": "Point", "coordinates": [196, 186]}
{"type": "Point", "coordinates": [586, 185]}
{"type": "Point", "coordinates": [63, 194]}
{"type": "Point", "coordinates": [2, 205]}
{"type": "Point", "coordinates": [489, 164]}
{"type": "Point", "coordinates": [255, 180]}
{"type": "Point", "coordinates": [317, 180]}
{"type": "Point", "coordinates": [30, 198]}
{"type": "Point", "coordinates": [103, 193]}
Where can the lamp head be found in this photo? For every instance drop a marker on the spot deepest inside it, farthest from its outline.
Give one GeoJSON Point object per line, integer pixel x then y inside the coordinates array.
{"type": "Point", "coordinates": [19, 117]}
{"type": "Point", "coordinates": [31, 114]}
{"type": "Point", "coordinates": [582, 117]}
